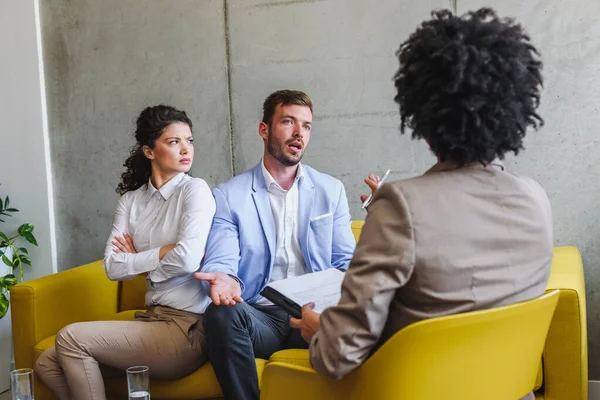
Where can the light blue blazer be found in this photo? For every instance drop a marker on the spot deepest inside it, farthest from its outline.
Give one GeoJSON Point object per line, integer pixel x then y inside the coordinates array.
{"type": "Point", "coordinates": [242, 239]}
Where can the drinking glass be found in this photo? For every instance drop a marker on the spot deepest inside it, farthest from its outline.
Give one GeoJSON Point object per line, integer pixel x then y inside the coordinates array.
{"type": "Point", "coordinates": [21, 384]}
{"type": "Point", "coordinates": [138, 382]}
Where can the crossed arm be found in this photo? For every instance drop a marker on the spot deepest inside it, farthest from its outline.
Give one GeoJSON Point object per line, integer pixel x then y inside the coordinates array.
{"type": "Point", "coordinates": [123, 261]}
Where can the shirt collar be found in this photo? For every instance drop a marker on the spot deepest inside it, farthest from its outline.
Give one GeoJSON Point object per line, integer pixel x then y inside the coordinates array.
{"type": "Point", "coordinates": [168, 188]}
{"type": "Point", "coordinates": [269, 180]}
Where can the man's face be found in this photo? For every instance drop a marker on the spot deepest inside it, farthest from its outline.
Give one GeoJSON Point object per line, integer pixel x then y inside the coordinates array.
{"type": "Point", "coordinates": [288, 135]}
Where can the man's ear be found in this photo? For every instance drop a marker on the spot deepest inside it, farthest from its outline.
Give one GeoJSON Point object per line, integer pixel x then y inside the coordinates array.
{"type": "Point", "coordinates": [263, 130]}
{"type": "Point", "coordinates": [148, 152]}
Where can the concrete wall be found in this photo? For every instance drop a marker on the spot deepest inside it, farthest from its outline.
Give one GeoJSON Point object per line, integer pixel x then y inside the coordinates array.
{"type": "Point", "coordinates": [342, 54]}
{"type": "Point", "coordinates": [106, 60]}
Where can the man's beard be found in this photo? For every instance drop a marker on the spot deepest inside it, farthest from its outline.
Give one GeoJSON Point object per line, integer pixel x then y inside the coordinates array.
{"type": "Point", "coordinates": [279, 152]}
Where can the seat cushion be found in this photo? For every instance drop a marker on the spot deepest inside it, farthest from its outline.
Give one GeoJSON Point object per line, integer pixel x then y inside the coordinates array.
{"type": "Point", "coordinates": [201, 384]}
{"type": "Point", "coordinates": [298, 357]}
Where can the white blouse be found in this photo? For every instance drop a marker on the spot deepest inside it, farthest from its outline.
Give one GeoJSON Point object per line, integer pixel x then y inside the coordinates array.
{"type": "Point", "coordinates": [179, 213]}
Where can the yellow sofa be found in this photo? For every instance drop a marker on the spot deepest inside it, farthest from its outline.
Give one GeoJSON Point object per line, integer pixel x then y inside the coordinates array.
{"type": "Point", "coordinates": [41, 307]}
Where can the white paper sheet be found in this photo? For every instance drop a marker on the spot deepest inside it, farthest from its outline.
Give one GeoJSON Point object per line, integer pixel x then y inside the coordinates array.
{"type": "Point", "coordinates": [322, 288]}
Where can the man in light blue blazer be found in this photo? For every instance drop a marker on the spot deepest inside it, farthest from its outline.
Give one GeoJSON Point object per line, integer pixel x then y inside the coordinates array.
{"type": "Point", "coordinates": [277, 220]}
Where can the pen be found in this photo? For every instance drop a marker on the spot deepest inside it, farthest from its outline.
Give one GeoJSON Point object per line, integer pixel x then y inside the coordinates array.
{"type": "Point", "coordinates": [368, 200]}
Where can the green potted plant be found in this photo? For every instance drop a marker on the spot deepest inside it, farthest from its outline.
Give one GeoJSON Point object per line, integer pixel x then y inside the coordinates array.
{"type": "Point", "coordinates": [12, 255]}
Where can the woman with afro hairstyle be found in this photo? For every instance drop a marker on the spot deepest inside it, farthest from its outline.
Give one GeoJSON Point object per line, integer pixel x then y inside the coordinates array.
{"type": "Point", "coordinates": [467, 235]}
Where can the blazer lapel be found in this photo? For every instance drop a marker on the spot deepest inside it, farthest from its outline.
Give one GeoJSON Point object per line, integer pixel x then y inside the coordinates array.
{"type": "Point", "coordinates": [306, 199]}
{"type": "Point", "coordinates": [263, 207]}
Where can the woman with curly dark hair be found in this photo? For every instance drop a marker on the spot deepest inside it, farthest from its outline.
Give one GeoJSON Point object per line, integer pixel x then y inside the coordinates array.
{"type": "Point", "coordinates": [159, 231]}
{"type": "Point", "coordinates": [467, 235]}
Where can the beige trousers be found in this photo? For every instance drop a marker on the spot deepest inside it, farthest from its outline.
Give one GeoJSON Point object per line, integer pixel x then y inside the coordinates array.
{"type": "Point", "coordinates": [170, 342]}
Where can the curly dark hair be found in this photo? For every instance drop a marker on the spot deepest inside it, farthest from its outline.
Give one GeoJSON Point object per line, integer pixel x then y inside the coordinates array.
{"type": "Point", "coordinates": [469, 85]}
{"type": "Point", "coordinates": [150, 124]}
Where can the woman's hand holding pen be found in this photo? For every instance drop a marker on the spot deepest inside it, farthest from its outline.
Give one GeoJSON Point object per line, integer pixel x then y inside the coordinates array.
{"type": "Point", "coordinates": [373, 182]}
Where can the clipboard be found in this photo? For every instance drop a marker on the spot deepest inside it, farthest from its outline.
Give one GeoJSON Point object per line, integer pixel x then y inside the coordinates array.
{"type": "Point", "coordinates": [293, 308]}
{"type": "Point", "coordinates": [324, 288]}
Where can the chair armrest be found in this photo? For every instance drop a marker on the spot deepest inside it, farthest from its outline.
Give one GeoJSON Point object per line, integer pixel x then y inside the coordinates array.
{"type": "Point", "coordinates": [565, 354]}
{"type": "Point", "coordinates": [357, 226]}
{"type": "Point", "coordinates": [293, 382]}
{"type": "Point", "coordinates": [41, 307]}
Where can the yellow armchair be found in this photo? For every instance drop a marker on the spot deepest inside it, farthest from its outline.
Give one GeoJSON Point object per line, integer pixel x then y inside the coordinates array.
{"type": "Point", "coordinates": [41, 307]}
{"type": "Point", "coordinates": [565, 372]}
{"type": "Point", "coordinates": [492, 354]}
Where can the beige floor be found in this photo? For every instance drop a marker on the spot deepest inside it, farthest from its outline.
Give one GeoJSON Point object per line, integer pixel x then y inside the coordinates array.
{"type": "Point", "coordinates": [5, 396]}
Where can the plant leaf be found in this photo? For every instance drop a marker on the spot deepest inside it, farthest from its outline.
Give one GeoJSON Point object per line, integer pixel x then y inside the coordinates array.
{"type": "Point", "coordinates": [30, 238]}
{"type": "Point", "coordinates": [25, 260]}
{"type": "Point", "coordinates": [8, 281]}
{"type": "Point", "coordinates": [3, 305]}
{"type": "Point", "coordinates": [3, 237]}
{"type": "Point", "coordinates": [1, 206]}
{"type": "Point", "coordinates": [7, 261]}
{"type": "Point", "coordinates": [23, 250]}
{"type": "Point", "coordinates": [12, 210]}
{"type": "Point", "coordinates": [6, 202]}
{"type": "Point", "coordinates": [16, 261]}
{"type": "Point", "coordinates": [25, 228]}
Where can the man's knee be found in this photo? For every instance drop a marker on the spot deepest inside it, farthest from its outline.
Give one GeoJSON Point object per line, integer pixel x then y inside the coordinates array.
{"type": "Point", "coordinates": [220, 319]}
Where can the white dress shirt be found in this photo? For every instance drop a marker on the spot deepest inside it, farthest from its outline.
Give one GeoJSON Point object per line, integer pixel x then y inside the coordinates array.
{"type": "Point", "coordinates": [289, 261]}
{"type": "Point", "coordinates": [179, 213]}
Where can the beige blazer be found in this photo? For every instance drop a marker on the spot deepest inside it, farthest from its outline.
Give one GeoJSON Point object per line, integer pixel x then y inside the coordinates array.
{"type": "Point", "coordinates": [450, 241]}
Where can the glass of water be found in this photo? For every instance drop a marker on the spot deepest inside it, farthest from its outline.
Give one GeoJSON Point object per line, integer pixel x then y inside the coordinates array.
{"type": "Point", "coordinates": [21, 384]}
{"type": "Point", "coordinates": [138, 382]}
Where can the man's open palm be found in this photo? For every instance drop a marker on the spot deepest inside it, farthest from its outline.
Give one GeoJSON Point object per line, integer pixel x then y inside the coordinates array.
{"type": "Point", "coordinates": [224, 290]}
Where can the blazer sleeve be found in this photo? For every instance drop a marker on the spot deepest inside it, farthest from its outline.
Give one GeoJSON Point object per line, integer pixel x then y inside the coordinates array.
{"type": "Point", "coordinates": [383, 262]}
{"type": "Point", "coordinates": [343, 243]}
{"type": "Point", "coordinates": [223, 246]}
